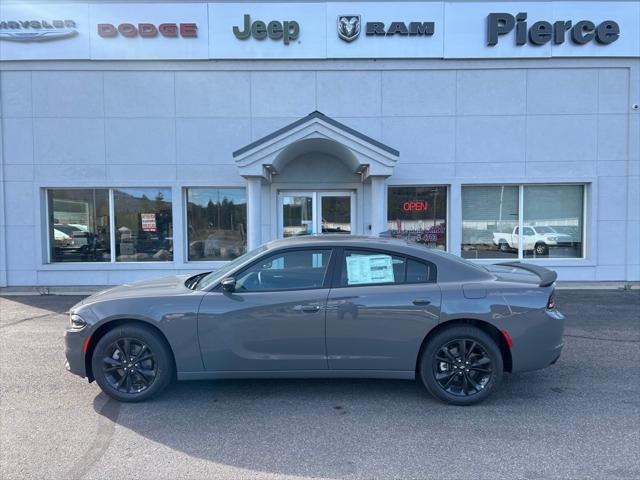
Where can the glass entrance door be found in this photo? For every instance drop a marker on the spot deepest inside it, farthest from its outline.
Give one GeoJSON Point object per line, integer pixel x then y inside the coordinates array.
{"type": "Point", "coordinates": [306, 213]}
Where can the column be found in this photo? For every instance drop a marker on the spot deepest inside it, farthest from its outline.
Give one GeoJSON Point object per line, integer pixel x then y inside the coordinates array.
{"type": "Point", "coordinates": [378, 202]}
{"type": "Point", "coordinates": [254, 220]}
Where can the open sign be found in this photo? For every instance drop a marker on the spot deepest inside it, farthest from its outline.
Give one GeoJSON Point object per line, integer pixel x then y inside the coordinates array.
{"type": "Point", "coordinates": [415, 206]}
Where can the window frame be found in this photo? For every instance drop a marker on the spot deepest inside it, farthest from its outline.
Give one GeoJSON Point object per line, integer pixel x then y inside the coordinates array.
{"type": "Point", "coordinates": [326, 281]}
{"type": "Point", "coordinates": [341, 261]}
{"type": "Point", "coordinates": [47, 225]}
{"type": "Point", "coordinates": [586, 218]}
{"type": "Point", "coordinates": [112, 222]}
{"type": "Point", "coordinates": [184, 198]}
{"type": "Point", "coordinates": [446, 186]}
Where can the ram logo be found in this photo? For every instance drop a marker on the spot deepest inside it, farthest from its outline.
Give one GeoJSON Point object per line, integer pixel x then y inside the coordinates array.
{"type": "Point", "coordinates": [348, 27]}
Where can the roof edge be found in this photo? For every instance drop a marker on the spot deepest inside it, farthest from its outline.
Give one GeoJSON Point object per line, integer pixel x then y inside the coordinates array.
{"type": "Point", "coordinates": [321, 116]}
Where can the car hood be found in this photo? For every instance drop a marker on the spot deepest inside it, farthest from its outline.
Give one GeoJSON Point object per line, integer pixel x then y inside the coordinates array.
{"type": "Point", "coordinates": [156, 287]}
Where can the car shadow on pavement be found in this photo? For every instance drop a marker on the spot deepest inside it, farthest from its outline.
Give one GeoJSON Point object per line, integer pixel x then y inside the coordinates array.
{"type": "Point", "coordinates": [330, 428]}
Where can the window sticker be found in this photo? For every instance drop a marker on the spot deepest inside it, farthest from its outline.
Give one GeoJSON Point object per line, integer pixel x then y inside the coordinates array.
{"type": "Point", "coordinates": [363, 269]}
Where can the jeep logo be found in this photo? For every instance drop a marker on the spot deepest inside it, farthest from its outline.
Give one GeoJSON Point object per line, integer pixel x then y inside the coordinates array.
{"type": "Point", "coordinates": [275, 30]}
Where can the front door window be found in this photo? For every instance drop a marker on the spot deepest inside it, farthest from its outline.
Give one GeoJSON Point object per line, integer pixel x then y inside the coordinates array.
{"type": "Point", "coordinates": [335, 213]}
{"type": "Point", "coordinates": [306, 213]}
{"type": "Point", "coordinates": [297, 215]}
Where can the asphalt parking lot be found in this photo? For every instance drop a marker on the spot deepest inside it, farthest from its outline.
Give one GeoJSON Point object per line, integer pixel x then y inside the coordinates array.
{"type": "Point", "coordinates": [578, 419]}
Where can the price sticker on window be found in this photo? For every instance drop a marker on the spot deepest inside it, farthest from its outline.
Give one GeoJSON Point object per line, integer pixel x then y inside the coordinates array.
{"type": "Point", "coordinates": [364, 269]}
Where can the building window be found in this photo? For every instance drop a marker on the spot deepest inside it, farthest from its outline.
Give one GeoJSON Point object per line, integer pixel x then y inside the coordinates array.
{"type": "Point", "coordinates": [418, 214]}
{"type": "Point", "coordinates": [79, 225]}
{"type": "Point", "coordinates": [550, 226]}
{"type": "Point", "coordinates": [143, 224]}
{"type": "Point", "coordinates": [489, 218]}
{"type": "Point", "coordinates": [553, 221]}
{"type": "Point", "coordinates": [216, 223]}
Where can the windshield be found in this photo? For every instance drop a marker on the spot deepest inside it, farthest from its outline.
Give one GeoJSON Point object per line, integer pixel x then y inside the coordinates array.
{"type": "Point", "coordinates": [209, 280]}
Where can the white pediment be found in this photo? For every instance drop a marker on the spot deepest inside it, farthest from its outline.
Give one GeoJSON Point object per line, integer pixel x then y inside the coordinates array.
{"type": "Point", "coordinates": [316, 133]}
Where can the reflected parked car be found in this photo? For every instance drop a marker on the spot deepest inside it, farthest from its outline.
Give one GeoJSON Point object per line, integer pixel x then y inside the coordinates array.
{"type": "Point", "coordinates": [323, 306]}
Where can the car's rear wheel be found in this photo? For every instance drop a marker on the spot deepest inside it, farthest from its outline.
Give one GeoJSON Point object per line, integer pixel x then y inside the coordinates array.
{"type": "Point", "coordinates": [461, 365]}
{"type": "Point", "coordinates": [132, 363]}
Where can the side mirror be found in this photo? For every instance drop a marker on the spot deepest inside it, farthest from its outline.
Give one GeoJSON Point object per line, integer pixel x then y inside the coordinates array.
{"type": "Point", "coordinates": [228, 284]}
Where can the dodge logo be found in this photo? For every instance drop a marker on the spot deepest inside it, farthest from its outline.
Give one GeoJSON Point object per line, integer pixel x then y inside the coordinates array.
{"type": "Point", "coordinates": [348, 27]}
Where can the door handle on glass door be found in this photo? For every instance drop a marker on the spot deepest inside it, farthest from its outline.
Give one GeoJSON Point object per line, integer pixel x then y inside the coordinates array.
{"type": "Point", "coordinates": [421, 302]}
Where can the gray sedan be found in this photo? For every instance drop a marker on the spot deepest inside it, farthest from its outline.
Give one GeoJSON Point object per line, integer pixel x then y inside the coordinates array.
{"type": "Point", "coordinates": [323, 306]}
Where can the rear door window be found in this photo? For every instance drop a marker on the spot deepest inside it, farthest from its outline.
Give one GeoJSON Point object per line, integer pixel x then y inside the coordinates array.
{"type": "Point", "coordinates": [365, 267]}
{"type": "Point", "coordinates": [368, 267]}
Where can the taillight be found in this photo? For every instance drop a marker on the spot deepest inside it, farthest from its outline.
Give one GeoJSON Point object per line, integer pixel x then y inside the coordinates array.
{"type": "Point", "coordinates": [551, 304]}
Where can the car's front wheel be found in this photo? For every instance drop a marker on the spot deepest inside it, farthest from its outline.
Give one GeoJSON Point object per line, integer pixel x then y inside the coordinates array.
{"type": "Point", "coordinates": [461, 365]}
{"type": "Point", "coordinates": [132, 363]}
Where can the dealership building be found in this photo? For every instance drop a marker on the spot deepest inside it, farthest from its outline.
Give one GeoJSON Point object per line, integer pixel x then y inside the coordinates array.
{"type": "Point", "coordinates": [148, 139]}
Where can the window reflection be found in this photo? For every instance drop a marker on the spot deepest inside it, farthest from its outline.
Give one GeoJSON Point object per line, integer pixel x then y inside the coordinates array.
{"type": "Point", "coordinates": [216, 223]}
{"type": "Point", "coordinates": [418, 214]}
{"type": "Point", "coordinates": [553, 216]}
{"type": "Point", "coordinates": [297, 213]}
{"type": "Point", "coordinates": [144, 226]}
{"type": "Point", "coordinates": [79, 225]}
{"type": "Point", "coordinates": [489, 219]}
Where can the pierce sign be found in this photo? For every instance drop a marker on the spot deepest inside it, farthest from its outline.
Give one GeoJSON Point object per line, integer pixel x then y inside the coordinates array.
{"type": "Point", "coordinates": [541, 32]}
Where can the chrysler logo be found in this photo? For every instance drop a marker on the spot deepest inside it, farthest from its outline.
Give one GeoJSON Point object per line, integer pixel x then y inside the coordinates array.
{"type": "Point", "coordinates": [348, 27]}
{"type": "Point", "coordinates": [37, 30]}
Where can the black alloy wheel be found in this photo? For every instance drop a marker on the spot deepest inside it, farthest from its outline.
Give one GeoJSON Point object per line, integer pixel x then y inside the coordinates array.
{"type": "Point", "coordinates": [129, 365]}
{"type": "Point", "coordinates": [461, 365]}
{"type": "Point", "coordinates": [132, 362]}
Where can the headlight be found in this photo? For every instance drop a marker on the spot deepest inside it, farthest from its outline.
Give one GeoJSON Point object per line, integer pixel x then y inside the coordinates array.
{"type": "Point", "coordinates": [553, 239]}
{"type": "Point", "coordinates": [77, 321]}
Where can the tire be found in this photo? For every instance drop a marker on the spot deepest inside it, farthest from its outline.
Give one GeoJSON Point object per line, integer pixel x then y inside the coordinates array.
{"type": "Point", "coordinates": [448, 384]}
{"type": "Point", "coordinates": [541, 248]}
{"type": "Point", "coordinates": [503, 246]}
{"type": "Point", "coordinates": [131, 381]}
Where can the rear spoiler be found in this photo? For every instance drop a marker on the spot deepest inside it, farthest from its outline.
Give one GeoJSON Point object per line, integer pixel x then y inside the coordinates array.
{"type": "Point", "coordinates": [547, 277]}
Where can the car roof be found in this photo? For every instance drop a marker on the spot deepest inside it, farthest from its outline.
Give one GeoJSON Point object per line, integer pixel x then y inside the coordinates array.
{"type": "Point", "coordinates": [338, 240]}
{"type": "Point", "coordinates": [450, 266]}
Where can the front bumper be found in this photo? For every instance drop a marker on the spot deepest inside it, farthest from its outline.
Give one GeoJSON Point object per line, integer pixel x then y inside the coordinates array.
{"type": "Point", "coordinates": [73, 343]}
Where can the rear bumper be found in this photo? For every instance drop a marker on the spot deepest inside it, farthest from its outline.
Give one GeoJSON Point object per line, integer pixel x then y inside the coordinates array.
{"type": "Point", "coordinates": [73, 343]}
{"type": "Point", "coordinates": [541, 344]}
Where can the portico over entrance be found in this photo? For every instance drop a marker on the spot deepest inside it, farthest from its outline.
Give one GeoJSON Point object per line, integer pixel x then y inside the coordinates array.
{"type": "Point", "coordinates": [315, 175]}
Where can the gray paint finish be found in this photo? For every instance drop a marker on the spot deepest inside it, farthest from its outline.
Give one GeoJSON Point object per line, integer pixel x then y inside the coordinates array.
{"type": "Point", "coordinates": [360, 331]}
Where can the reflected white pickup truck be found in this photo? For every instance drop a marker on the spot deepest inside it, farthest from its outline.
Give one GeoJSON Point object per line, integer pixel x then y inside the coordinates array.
{"type": "Point", "coordinates": [537, 239]}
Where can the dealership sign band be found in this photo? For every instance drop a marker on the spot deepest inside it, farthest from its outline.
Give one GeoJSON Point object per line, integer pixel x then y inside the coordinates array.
{"type": "Point", "coordinates": [320, 30]}
{"type": "Point", "coordinates": [36, 30]}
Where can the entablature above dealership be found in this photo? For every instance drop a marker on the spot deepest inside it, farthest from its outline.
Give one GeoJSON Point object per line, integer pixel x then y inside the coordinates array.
{"type": "Point", "coordinates": [319, 30]}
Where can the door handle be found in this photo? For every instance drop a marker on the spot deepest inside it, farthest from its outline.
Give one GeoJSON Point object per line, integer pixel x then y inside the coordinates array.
{"type": "Point", "coordinates": [421, 302]}
{"type": "Point", "coordinates": [307, 308]}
